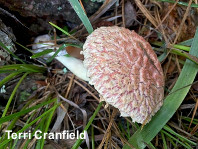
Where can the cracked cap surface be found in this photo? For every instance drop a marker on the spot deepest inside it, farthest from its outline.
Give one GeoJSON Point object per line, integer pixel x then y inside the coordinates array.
{"type": "Point", "coordinates": [125, 71]}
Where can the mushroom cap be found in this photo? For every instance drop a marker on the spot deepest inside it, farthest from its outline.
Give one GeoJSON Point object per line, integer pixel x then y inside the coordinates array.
{"type": "Point", "coordinates": [125, 71]}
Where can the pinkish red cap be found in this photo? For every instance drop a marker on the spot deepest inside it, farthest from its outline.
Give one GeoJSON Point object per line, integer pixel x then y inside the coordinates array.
{"type": "Point", "coordinates": [125, 71]}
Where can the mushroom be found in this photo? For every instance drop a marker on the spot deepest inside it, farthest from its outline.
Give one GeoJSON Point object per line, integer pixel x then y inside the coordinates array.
{"type": "Point", "coordinates": [125, 71]}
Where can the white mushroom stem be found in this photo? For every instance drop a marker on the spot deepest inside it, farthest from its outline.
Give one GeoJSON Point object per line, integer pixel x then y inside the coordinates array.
{"type": "Point", "coordinates": [73, 64]}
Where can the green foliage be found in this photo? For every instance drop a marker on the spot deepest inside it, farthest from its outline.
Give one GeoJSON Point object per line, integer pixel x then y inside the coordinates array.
{"type": "Point", "coordinates": [24, 47]}
{"type": "Point", "coordinates": [14, 117]}
{"type": "Point", "coordinates": [171, 102]}
{"type": "Point", "coordinates": [44, 52]}
{"type": "Point", "coordinates": [12, 95]}
{"type": "Point", "coordinates": [13, 71]}
{"type": "Point", "coordinates": [62, 30]}
{"type": "Point", "coordinates": [79, 141]}
{"type": "Point", "coordinates": [10, 52]}
{"type": "Point", "coordinates": [182, 138]}
{"type": "Point", "coordinates": [178, 49]}
{"type": "Point", "coordinates": [22, 68]}
{"type": "Point", "coordinates": [81, 14]}
{"type": "Point", "coordinates": [56, 53]}
{"type": "Point", "coordinates": [180, 3]}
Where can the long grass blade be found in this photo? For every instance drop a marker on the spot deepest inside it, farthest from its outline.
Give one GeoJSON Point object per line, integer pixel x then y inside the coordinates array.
{"type": "Point", "coordinates": [11, 53]}
{"type": "Point", "coordinates": [81, 14]}
{"type": "Point", "coordinates": [187, 147]}
{"type": "Point", "coordinates": [180, 3]}
{"type": "Point", "coordinates": [56, 53]}
{"type": "Point", "coordinates": [164, 141]}
{"type": "Point", "coordinates": [26, 126]}
{"type": "Point", "coordinates": [47, 124]}
{"type": "Point", "coordinates": [44, 52]}
{"type": "Point", "coordinates": [12, 95]}
{"type": "Point", "coordinates": [92, 138]}
{"type": "Point", "coordinates": [24, 47]}
{"type": "Point", "coordinates": [177, 46]}
{"type": "Point", "coordinates": [171, 102]}
{"type": "Point", "coordinates": [178, 135]}
{"type": "Point", "coordinates": [23, 68]}
{"type": "Point", "coordinates": [187, 42]}
{"type": "Point", "coordinates": [12, 116]}
{"type": "Point", "coordinates": [79, 141]}
{"type": "Point", "coordinates": [8, 78]}
{"type": "Point", "coordinates": [62, 30]}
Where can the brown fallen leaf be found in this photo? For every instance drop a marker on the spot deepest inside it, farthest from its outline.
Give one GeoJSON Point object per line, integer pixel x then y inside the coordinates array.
{"type": "Point", "coordinates": [41, 83]}
{"type": "Point", "coordinates": [129, 14]}
{"type": "Point", "coordinates": [171, 67]}
{"type": "Point", "coordinates": [195, 86]}
{"type": "Point", "coordinates": [74, 52]}
{"type": "Point", "coordinates": [173, 22]}
{"type": "Point", "coordinates": [103, 23]}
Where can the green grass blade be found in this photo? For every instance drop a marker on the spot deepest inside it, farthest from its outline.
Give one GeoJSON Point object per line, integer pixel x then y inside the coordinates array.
{"type": "Point", "coordinates": [15, 143]}
{"type": "Point", "coordinates": [164, 141]}
{"type": "Point", "coordinates": [180, 3]}
{"type": "Point", "coordinates": [16, 117]}
{"type": "Point", "coordinates": [172, 142]}
{"type": "Point", "coordinates": [8, 78]}
{"type": "Point", "coordinates": [177, 46]}
{"type": "Point", "coordinates": [33, 132]}
{"type": "Point", "coordinates": [22, 68]}
{"type": "Point", "coordinates": [26, 126]}
{"type": "Point", "coordinates": [47, 124]}
{"type": "Point", "coordinates": [24, 47]}
{"type": "Point", "coordinates": [187, 42]}
{"type": "Point", "coordinates": [44, 52]}
{"type": "Point", "coordinates": [187, 147]}
{"type": "Point", "coordinates": [61, 48]}
{"type": "Point", "coordinates": [10, 52]}
{"type": "Point", "coordinates": [12, 116]}
{"type": "Point", "coordinates": [92, 138]}
{"type": "Point", "coordinates": [79, 141]}
{"type": "Point", "coordinates": [178, 135]}
{"type": "Point", "coordinates": [182, 47]}
{"type": "Point", "coordinates": [186, 55]}
{"type": "Point", "coordinates": [122, 129]}
{"type": "Point", "coordinates": [81, 14]}
{"type": "Point", "coordinates": [195, 121]}
{"type": "Point", "coordinates": [180, 52]}
{"type": "Point", "coordinates": [54, 55]}
{"type": "Point", "coordinates": [41, 128]}
{"type": "Point", "coordinates": [62, 30]}
{"type": "Point", "coordinates": [77, 46]}
{"type": "Point", "coordinates": [11, 67]}
{"type": "Point", "coordinates": [128, 129]}
{"type": "Point", "coordinates": [162, 57]}
{"type": "Point", "coordinates": [12, 95]}
{"type": "Point", "coordinates": [33, 68]}
{"type": "Point", "coordinates": [151, 146]}
{"type": "Point", "coordinates": [171, 102]}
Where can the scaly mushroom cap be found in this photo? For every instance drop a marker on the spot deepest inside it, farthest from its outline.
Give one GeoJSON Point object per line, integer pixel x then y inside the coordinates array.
{"type": "Point", "coordinates": [125, 71]}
